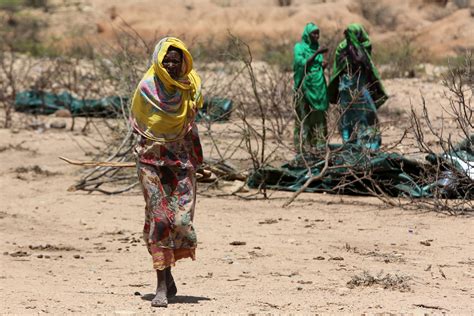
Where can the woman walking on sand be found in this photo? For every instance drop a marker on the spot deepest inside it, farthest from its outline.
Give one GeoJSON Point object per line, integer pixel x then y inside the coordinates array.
{"type": "Point", "coordinates": [355, 85]}
{"type": "Point", "coordinates": [311, 100]}
{"type": "Point", "coordinates": [168, 153]}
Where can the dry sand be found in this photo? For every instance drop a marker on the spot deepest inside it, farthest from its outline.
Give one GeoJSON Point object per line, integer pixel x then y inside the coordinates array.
{"type": "Point", "coordinates": [72, 252]}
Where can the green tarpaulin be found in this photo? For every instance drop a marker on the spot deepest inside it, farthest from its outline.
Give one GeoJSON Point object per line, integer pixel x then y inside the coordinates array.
{"type": "Point", "coordinates": [356, 171]}
{"type": "Point", "coordinates": [41, 102]}
{"type": "Point", "coordinates": [215, 110]}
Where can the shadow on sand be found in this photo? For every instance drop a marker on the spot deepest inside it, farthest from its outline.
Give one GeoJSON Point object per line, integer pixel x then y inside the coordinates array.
{"type": "Point", "coordinates": [179, 299]}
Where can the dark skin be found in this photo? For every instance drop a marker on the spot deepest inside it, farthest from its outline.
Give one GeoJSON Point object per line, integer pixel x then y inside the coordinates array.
{"type": "Point", "coordinates": [356, 56]}
{"type": "Point", "coordinates": [166, 288]}
{"type": "Point", "coordinates": [314, 37]}
{"type": "Point", "coordinates": [172, 62]}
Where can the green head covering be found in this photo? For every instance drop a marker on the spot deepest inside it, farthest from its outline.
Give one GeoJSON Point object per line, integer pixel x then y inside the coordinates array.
{"type": "Point", "coordinates": [308, 29]}
{"type": "Point", "coordinates": [310, 79]}
{"type": "Point", "coordinates": [359, 38]}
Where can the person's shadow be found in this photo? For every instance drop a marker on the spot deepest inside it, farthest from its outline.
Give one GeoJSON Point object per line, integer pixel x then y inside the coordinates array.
{"type": "Point", "coordinates": [179, 299]}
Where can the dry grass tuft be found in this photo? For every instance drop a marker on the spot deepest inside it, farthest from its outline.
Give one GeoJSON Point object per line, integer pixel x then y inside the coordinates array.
{"type": "Point", "coordinates": [387, 281]}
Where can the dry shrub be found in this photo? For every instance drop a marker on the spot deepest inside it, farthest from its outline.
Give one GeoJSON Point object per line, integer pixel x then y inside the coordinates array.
{"type": "Point", "coordinates": [210, 50]}
{"type": "Point", "coordinates": [379, 13]}
{"type": "Point", "coordinates": [387, 281]}
{"type": "Point", "coordinates": [453, 168]}
{"type": "Point", "coordinates": [462, 3]}
{"type": "Point", "coordinates": [441, 3]}
{"type": "Point", "coordinates": [399, 58]}
{"type": "Point", "coordinates": [278, 53]}
{"type": "Point", "coordinates": [284, 3]}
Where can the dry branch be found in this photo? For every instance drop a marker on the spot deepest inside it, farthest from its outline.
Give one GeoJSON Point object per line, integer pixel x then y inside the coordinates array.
{"type": "Point", "coordinates": [114, 164]}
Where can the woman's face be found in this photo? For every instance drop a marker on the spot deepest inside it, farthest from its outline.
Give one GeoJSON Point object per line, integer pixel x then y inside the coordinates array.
{"type": "Point", "coordinates": [314, 36]}
{"type": "Point", "coordinates": [173, 62]}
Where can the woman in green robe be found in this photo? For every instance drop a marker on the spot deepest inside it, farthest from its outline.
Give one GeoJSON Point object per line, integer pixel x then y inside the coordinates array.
{"type": "Point", "coordinates": [310, 88]}
{"type": "Point", "coordinates": [356, 86]}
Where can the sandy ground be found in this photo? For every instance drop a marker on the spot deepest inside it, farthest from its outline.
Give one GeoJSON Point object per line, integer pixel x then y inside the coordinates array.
{"type": "Point", "coordinates": [440, 31]}
{"type": "Point", "coordinates": [72, 252]}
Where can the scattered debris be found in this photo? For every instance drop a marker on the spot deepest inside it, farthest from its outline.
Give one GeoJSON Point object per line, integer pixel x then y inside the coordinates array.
{"type": "Point", "coordinates": [19, 253]}
{"type": "Point", "coordinates": [238, 243]}
{"type": "Point", "coordinates": [254, 254]}
{"type": "Point", "coordinates": [292, 274]}
{"type": "Point", "coordinates": [430, 307]}
{"type": "Point", "coordinates": [35, 170]}
{"type": "Point", "coordinates": [382, 256]}
{"type": "Point", "coordinates": [37, 125]}
{"type": "Point", "coordinates": [16, 147]}
{"type": "Point", "coordinates": [268, 221]}
{"type": "Point", "coordinates": [58, 125]}
{"type": "Point", "coordinates": [139, 285]}
{"type": "Point", "coordinates": [304, 282]}
{"type": "Point", "coordinates": [387, 281]}
{"type": "Point", "coordinates": [469, 261]}
{"type": "Point", "coordinates": [441, 272]}
{"type": "Point", "coordinates": [426, 242]}
{"type": "Point", "coordinates": [208, 276]}
{"type": "Point", "coordinates": [49, 247]}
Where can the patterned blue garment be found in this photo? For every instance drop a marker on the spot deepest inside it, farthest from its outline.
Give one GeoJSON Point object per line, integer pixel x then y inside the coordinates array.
{"type": "Point", "coordinates": [359, 118]}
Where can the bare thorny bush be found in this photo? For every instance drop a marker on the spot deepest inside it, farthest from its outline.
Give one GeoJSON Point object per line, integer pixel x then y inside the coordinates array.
{"type": "Point", "coordinates": [262, 113]}
{"type": "Point", "coordinates": [114, 69]}
{"type": "Point", "coordinates": [262, 126]}
{"type": "Point", "coordinates": [456, 145]}
{"type": "Point", "coordinates": [259, 133]}
{"type": "Point", "coordinates": [447, 175]}
{"type": "Point", "coordinates": [120, 67]}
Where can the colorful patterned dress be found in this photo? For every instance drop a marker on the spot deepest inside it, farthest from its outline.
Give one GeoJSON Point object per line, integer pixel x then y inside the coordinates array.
{"type": "Point", "coordinates": [168, 153]}
{"type": "Point", "coordinates": [167, 176]}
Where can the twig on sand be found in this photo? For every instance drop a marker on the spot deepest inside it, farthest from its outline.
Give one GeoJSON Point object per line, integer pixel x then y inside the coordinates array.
{"type": "Point", "coordinates": [115, 164]}
{"type": "Point", "coordinates": [430, 307]}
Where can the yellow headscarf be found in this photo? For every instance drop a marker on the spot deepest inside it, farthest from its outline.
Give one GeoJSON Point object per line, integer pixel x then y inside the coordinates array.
{"type": "Point", "coordinates": [163, 109]}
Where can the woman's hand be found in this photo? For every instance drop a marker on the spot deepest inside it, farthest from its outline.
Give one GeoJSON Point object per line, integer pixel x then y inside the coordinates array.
{"type": "Point", "coordinates": [320, 50]}
{"type": "Point", "coordinates": [358, 56]}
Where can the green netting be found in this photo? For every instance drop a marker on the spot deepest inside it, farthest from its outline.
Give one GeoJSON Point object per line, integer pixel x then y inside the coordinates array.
{"type": "Point", "coordinates": [215, 110]}
{"type": "Point", "coordinates": [361, 172]}
{"type": "Point", "coordinates": [41, 102]}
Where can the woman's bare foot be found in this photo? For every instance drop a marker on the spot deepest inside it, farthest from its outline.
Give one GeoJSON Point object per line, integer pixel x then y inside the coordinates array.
{"type": "Point", "coordinates": [170, 285]}
{"type": "Point", "coordinates": [160, 299]}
